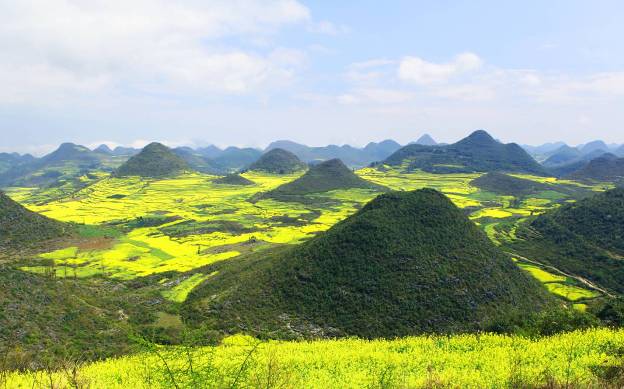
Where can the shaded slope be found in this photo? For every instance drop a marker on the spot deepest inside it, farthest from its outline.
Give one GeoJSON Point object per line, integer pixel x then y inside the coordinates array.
{"type": "Point", "coordinates": [278, 161]}
{"type": "Point", "coordinates": [233, 179]}
{"type": "Point", "coordinates": [326, 176]}
{"type": "Point", "coordinates": [585, 238]}
{"type": "Point", "coordinates": [478, 152]}
{"type": "Point", "coordinates": [508, 185]}
{"type": "Point", "coordinates": [407, 262]}
{"type": "Point", "coordinates": [608, 167]}
{"type": "Point", "coordinates": [21, 227]}
{"type": "Point", "coordinates": [155, 160]}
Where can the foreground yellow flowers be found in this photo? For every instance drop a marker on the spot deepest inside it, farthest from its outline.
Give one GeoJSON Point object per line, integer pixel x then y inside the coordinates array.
{"type": "Point", "coordinates": [578, 359]}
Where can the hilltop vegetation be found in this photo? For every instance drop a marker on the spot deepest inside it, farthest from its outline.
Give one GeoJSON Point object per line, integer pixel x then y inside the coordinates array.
{"type": "Point", "coordinates": [585, 238]}
{"type": "Point", "coordinates": [406, 263]}
{"type": "Point", "coordinates": [278, 161]}
{"type": "Point", "coordinates": [233, 179]}
{"type": "Point", "coordinates": [478, 152]}
{"type": "Point", "coordinates": [21, 227]}
{"type": "Point", "coordinates": [155, 160]}
{"type": "Point", "coordinates": [323, 177]}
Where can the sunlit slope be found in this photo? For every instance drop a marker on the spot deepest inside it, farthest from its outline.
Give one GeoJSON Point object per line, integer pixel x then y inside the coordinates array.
{"type": "Point", "coordinates": [581, 359]}
{"type": "Point", "coordinates": [406, 263]}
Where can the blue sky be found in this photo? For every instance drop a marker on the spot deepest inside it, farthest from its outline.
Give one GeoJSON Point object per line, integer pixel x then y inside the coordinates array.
{"type": "Point", "coordinates": [245, 72]}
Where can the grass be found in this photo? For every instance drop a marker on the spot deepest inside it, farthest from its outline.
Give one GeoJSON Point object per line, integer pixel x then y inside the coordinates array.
{"type": "Point", "coordinates": [589, 358]}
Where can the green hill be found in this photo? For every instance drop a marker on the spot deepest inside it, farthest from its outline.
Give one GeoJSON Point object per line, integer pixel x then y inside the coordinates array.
{"type": "Point", "coordinates": [478, 152]}
{"type": "Point", "coordinates": [155, 160]}
{"type": "Point", "coordinates": [608, 167]}
{"type": "Point", "coordinates": [326, 176]}
{"type": "Point", "coordinates": [508, 185]}
{"type": "Point", "coordinates": [563, 155]}
{"type": "Point", "coordinates": [21, 227]}
{"type": "Point", "coordinates": [585, 238]}
{"type": "Point", "coordinates": [70, 152]}
{"type": "Point", "coordinates": [406, 263]}
{"type": "Point", "coordinates": [278, 161]}
{"type": "Point", "coordinates": [196, 161]}
{"type": "Point", "coordinates": [233, 179]}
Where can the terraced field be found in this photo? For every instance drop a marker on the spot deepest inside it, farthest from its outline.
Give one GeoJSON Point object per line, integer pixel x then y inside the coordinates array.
{"type": "Point", "coordinates": [179, 225]}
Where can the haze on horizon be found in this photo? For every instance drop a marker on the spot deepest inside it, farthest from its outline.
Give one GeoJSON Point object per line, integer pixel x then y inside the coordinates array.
{"type": "Point", "coordinates": [246, 73]}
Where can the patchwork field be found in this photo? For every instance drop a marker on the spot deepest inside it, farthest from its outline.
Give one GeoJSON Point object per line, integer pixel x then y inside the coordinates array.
{"type": "Point", "coordinates": [179, 225]}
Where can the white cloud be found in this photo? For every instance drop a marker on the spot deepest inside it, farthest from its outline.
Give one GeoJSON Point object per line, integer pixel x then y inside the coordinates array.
{"type": "Point", "coordinates": [328, 28]}
{"type": "Point", "coordinates": [52, 49]}
{"type": "Point", "coordinates": [419, 71]}
{"type": "Point", "coordinates": [369, 71]}
{"type": "Point", "coordinates": [466, 92]}
{"type": "Point", "coordinates": [376, 96]}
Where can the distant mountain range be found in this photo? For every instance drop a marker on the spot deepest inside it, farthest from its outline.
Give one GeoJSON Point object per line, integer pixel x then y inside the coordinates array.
{"type": "Point", "coordinates": [351, 156]}
{"type": "Point", "coordinates": [478, 152]}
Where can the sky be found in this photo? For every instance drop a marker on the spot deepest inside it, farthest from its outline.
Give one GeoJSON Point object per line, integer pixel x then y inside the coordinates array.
{"type": "Point", "coordinates": [245, 73]}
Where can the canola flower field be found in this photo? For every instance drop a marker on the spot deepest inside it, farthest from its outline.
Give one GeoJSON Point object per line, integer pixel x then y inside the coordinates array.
{"type": "Point", "coordinates": [184, 223]}
{"type": "Point", "coordinates": [581, 359]}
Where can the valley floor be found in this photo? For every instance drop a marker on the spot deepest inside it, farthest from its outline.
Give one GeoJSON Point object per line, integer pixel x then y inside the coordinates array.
{"type": "Point", "coordinates": [592, 358]}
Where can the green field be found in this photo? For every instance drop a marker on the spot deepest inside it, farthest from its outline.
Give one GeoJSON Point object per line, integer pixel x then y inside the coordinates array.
{"type": "Point", "coordinates": [572, 360]}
